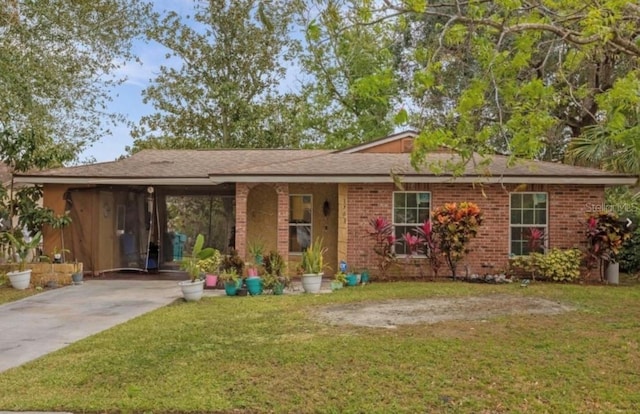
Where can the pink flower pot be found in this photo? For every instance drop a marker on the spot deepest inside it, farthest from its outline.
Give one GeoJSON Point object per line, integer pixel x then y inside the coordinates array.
{"type": "Point", "coordinates": [211, 280]}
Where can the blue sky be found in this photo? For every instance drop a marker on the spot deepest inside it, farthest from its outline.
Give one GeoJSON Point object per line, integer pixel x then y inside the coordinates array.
{"type": "Point", "coordinates": [127, 98]}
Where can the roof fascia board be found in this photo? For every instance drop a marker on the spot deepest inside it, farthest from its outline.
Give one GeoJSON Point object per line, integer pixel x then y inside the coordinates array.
{"type": "Point", "coordinates": [114, 181]}
{"type": "Point", "coordinates": [215, 180]}
{"type": "Point", "coordinates": [428, 179]}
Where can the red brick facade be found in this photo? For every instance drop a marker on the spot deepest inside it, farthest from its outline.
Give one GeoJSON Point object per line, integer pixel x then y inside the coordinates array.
{"type": "Point", "coordinates": [566, 210]}
{"type": "Point", "coordinates": [489, 252]}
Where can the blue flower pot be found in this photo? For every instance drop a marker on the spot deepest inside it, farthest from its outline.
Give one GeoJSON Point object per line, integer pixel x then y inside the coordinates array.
{"type": "Point", "coordinates": [231, 288]}
{"type": "Point", "coordinates": [254, 285]}
{"type": "Point", "coordinates": [352, 279]}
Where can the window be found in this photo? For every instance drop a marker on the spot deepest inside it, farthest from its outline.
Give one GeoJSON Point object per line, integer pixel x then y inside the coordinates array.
{"type": "Point", "coordinates": [300, 209]}
{"type": "Point", "coordinates": [528, 212]}
{"type": "Point", "coordinates": [409, 210]}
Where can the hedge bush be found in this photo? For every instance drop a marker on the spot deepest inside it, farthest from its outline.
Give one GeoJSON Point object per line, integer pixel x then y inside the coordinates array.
{"type": "Point", "coordinates": [629, 255]}
{"type": "Point", "coordinates": [558, 265]}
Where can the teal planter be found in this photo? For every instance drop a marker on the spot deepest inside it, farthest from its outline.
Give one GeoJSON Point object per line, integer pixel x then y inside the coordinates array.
{"type": "Point", "coordinates": [364, 277]}
{"type": "Point", "coordinates": [231, 288]}
{"type": "Point", "coordinates": [278, 289]}
{"type": "Point", "coordinates": [352, 279]}
{"type": "Point", "coordinates": [254, 285]}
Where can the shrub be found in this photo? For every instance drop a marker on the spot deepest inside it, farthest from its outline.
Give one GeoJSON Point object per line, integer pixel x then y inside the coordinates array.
{"type": "Point", "coordinates": [384, 241]}
{"type": "Point", "coordinates": [429, 246]}
{"type": "Point", "coordinates": [558, 265]}
{"type": "Point", "coordinates": [606, 234]}
{"type": "Point", "coordinates": [454, 226]}
{"type": "Point", "coordinates": [629, 255]}
{"type": "Point", "coordinates": [210, 264]}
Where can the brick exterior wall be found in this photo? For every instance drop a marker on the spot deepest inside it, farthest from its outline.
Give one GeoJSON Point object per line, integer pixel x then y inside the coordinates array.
{"type": "Point", "coordinates": [489, 252]}
{"type": "Point", "coordinates": [567, 205]}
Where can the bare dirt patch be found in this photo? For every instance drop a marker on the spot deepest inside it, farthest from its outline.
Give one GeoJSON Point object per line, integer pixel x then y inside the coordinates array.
{"type": "Point", "coordinates": [390, 314]}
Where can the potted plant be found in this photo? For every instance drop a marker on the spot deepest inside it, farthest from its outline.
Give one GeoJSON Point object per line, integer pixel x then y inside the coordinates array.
{"type": "Point", "coordinates": [364, 277]}
{"type": "Point", "coordinates": [230, 279]}
{"type": "Point", "coordinates": [253, 281]}
{"type": "Point", "coordinates": [193, 288]}
{"type": "Point", "coordinates": [256, 251]}
{"type": "Point", "coordinates": [275, 278]}
{"type": "Point", "coordinates": [209, 266]}
{"type": "Point", "coordinates": [233, 262]}
{"type": "Point", "coordinates": [605, 236]}
{"type": "Point", "coordinates": [22, 246]}
{"type": "Point", "coordinates": [77, 276]}
{"type": "Point", "coordinates": [339, 279]}
{"type": "Point", "coordinates": [313, 266]}
{"type": "Point", "coordinates": [351, 279]}
{"type": "Point", "coordinates": [252, 270]}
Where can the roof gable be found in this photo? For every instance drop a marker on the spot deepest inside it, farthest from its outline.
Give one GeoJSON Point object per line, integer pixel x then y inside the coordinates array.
{"type": "Point", "coordinates": [401, 142]}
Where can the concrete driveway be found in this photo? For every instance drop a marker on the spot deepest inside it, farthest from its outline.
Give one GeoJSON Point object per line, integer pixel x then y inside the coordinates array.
{"type": "Point", "coordinates": [39, 324]}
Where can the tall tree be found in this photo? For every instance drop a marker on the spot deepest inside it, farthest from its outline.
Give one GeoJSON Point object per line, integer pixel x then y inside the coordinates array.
{"type": "Point", "coordinates": [352, 90]}
{"type": "Point", "coordinates": [517, 76]}
{"type": "Point", "coordinates": [224, 93]}
{"type": "Point", "coordinates": [57, 59]}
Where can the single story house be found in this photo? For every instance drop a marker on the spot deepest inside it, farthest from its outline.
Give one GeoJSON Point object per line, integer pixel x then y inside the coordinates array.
{"type": "Point", "coordinates": [141, 212]}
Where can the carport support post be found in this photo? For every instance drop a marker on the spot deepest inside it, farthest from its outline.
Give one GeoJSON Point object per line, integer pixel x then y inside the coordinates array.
{"type": "Point", "coordinates": [282, 189]}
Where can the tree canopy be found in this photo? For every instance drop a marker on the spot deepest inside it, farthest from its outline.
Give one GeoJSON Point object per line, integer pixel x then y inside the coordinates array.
{"type": "Point", "coordinates": [521, 77]}
{"type": "Point", "coordinates": [524, 78]}
{"type": "Point", "coordinates": [223, 93]}
{"type": "Point", "coordinates": [57, 60]}
{"type": "Point", "coordinates": [351, 90]}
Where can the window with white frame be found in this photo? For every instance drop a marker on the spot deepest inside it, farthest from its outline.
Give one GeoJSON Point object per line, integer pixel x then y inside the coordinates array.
{"type": "Point", "coordinates": [528, 216]}
{"type": "Point", "coordinates": [410, 208]}
{"type": "Point", "coordinates": [300, 219]}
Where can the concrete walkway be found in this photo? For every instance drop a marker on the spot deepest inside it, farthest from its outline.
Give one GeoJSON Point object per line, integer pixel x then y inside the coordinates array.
{"type": "Point", "coordinates": [34, 326]}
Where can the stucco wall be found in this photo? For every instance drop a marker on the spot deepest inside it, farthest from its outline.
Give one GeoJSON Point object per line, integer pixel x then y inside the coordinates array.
{"type": "Point", "coordinates": [262, 217]}
{"type": "Point", "coordinates": [322, 226]}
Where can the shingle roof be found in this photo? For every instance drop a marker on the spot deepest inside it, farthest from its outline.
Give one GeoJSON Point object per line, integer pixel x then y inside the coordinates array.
{"type": "Point", "coordinates": [181, 163]}
{"type": "Point", "coordinates": [208, 166]}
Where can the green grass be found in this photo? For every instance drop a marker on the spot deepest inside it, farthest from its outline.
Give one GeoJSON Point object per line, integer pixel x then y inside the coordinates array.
{"type": "Point", "coordinates": [268, 354]}
{"type": "Point", "coordinates": [9, 294]}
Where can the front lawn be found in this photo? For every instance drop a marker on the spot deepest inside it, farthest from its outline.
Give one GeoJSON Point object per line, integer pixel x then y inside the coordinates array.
{"type": "Point", "coordinates": [269, 354]}
{"type": "Point", "coordinates": [9, 294]}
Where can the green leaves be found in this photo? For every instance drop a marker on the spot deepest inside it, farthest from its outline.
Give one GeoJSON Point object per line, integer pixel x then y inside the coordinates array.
{"type": "Point", "coordinates": [402, 117]}
{"type": "Point", "coordinates": [58, 58]}
{"type": "Point", "coordinates": [557, 265]}
{"type": "Point", "coordinates": [224, 93]}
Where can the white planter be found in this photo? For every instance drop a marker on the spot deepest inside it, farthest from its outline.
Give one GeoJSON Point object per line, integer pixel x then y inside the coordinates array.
{"type": "Point", "coordinates": [20, 280]}
{"type": "Point", "coordinates": [311, 282]}
{"type": "Point", "coordinates": [192, 291]}
{"type": "Point", "coordinates": [612, 273]}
